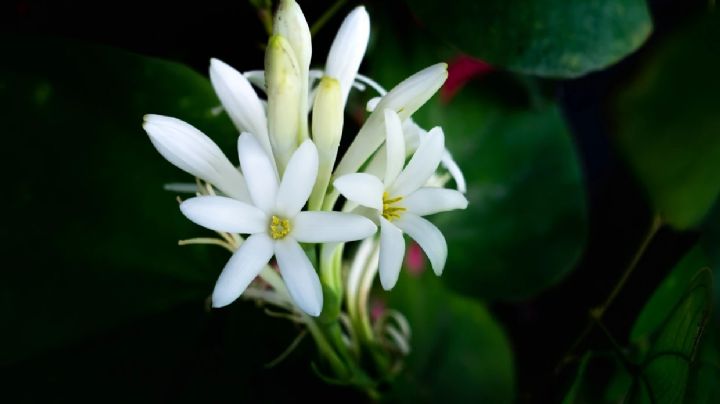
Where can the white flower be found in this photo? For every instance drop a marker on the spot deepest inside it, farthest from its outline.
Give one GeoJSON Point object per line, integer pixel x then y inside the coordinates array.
{"type": "Point", "coordinates": [413, 132]}
{"type": "Point", "coordinates": [275, 224]}
{"type": "Point", "coordinates": [401, 199]}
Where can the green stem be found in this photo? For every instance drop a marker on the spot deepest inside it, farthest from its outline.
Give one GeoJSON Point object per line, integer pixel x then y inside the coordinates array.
{"type": "Point", "coordinates": [596, 313]}
{"type": "Point", "coordinates": [331, 267]}
{"type": "Point", "coordinates": [207, 240]}
{"type": "Point", "coordinates": [331, 197]}
{"type": "Point", "coordinates": [327, 15]}
{"type": "Point", "coordinates": [264, 12]}
{"type": "Point", "coordinates": [365, 326]}
{"type": "Point", "coordinates": [327, 350]}
{"type": "Point", "coordinates": [617, 349]}
{"type": "Point", "coordinates": [654, 227]}
{"type": "Point", "coordinates": [293, 345]}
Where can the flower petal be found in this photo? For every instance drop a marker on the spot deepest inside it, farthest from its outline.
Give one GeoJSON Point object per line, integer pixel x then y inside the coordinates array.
{"type": "Point", "coordinates": [348, 49]}
{"type": "Point", "coordinates": [408, 96]}
{"type": "Point", "coordinates": [193, 152]}
{"type": "Point", "coordinates": [256, 78]}
{"type": "Point", "coordinates": [377, 164]}
{"type": "Point", "coordinates": [372, 104]}
{"type": "Point", "coordinates": [242, 268]}
{"type": "Point", "coordinates": [260, 175]}
{"type": "Point", "coordinates": [405, 99]}
{"type": "Point", "coordinates": [427, 201]}
{"type": "Point", "coordinates": [392, 251]}
{"type": "Point", "coordinates": [454, 170]}
{"type": "Point", "coordinates": [240, 101]}
{"type": "Point", "coordinates": [299, 275]}
{"type": "Point", "coordinates": [422, 165]}
{"type": "Point", "coordinates": [428, 237]}
{"type": "Point", "coordinates": [411, 134]}
{"type": "Point", "coordinates": [364, 189]}
{"type": "Point", "coordinates": [326, 227]}
{"type": "Point", "coordinates": [395, 146]}
{"type": "Point", "coordinates": [298, 180]}
{"type": "Point", "coordinates": [224, 214]}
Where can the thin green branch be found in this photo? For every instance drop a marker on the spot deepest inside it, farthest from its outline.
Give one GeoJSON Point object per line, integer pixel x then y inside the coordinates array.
{"type": "Point", "coordinates": [654, 227]}
{"type": "Point", "coordinates": [596, 314]}
{"type": "Point", "coordinates": [327, 15]}
{"type": "Point", "coordinates": [206, 240]}
{"type": "Point", "coordinates": [293, 345]}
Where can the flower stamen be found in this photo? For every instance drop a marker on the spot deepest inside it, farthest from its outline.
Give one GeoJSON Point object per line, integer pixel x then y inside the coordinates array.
{"type": "Point", "coordinates": [279, 228]}
{"type": "Point", "coordinates": [390, 209]}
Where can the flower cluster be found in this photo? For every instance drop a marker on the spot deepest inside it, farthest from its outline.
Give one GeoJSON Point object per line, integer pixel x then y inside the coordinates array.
{"type": "Point", "coordinates": [284, 196]}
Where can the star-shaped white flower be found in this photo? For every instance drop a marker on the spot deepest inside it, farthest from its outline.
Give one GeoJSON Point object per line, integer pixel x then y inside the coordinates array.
{"type": "Point", "coordinates": [275, 223]}
{"type": "Point", "coordinates": [401, 199]}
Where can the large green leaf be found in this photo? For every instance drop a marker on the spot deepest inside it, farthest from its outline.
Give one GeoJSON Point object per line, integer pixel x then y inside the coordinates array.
{"type": "Point", "coordinates": [703, 386]}
{"type": "Point", "coordinates": [668, 121]}
{"type": "Point", "coordinates": [671, 360]}
{"type": "Point", "coordinates": [668, 332]}
{"type": "Point", "coordinates": [90, 235]}
{"type": "Point", "coordinates": [458, 351]}
{"type": "Point", "coordinates": [665, 297]}
{"type": "Point", "coordinates": [555, 38]}
{"type": "Point", "coordinates": [710, 242]}
{"type": "Point", "coordinates": [525, 226]}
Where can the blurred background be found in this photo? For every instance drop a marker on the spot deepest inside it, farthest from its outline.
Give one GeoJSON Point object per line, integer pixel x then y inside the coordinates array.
{"type": "Point", "coordinates": [584, 270]}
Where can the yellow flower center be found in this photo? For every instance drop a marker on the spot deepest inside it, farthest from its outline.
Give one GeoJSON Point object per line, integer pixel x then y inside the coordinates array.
{"type": "Point", "coordinates": [391, 210]}
{"type": "Point", "coordinates": [279, 228]}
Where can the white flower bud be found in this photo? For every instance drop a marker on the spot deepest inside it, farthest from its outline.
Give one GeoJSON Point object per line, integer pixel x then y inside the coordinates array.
{"type": "Point", "coordinates": [282, 77]}
{"type": "Point", "coordinates": [290, 23]}
{"type": "Point", "coordinates": [348, 49]}
{"type": "Point", "coordinates": [327, 127]}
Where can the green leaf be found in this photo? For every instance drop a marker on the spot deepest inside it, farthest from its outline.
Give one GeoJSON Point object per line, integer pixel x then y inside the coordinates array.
{"type": "Point", "coordinates": [600, 377]}
{"type": "Point", "coordinates": [668, 332]}
{"type": "Point", "coordinates": [703, 386]}
{"type": "Point", "coordinates": [665, 297]}
{"type": "Point", "coordinates": [526, 223]}
{"type": "Point", "coordinates": [458, 351]}
{"type": "Point", "coordinates": [553, 38]}
{"type": "Point", "coordinates": [668, 120]}
{"type": "Point", "coordinates": [524, 228]}
{"type": "Point", "coordinates": [676, 361]}
{"type": "Point", "coordinates": [91, 233]}
{"type": "Point", "coordinates": [710, 242]}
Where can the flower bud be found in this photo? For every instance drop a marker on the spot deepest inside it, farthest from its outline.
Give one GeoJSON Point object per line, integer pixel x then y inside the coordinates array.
{"type": "Point", "coordinates": [348, 49]}
{"type": "Point", "coordinates": [283, 81]}
{"type": "Point", "coordinates": [291, 24]}
{"type": "Point", "coordinates": [327, 124]}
